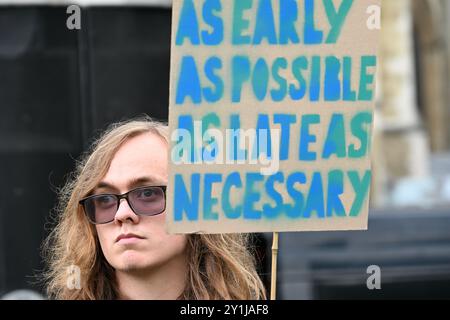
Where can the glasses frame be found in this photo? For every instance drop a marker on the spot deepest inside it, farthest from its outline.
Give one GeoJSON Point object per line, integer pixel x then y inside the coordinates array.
{"type": "Point", "coordinates": [119, 197]}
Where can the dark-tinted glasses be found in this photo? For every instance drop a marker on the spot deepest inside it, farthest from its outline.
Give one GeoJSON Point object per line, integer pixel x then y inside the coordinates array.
{"type": "Point", "coordinates": [144, 201]}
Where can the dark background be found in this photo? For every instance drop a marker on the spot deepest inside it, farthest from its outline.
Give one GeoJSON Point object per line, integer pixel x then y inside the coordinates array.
{"type": "Point", "coordinates": [59, 88]}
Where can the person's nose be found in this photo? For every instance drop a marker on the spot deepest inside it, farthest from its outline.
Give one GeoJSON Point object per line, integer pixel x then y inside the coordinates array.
{"type": "Point", "coordinates": [125, 213]}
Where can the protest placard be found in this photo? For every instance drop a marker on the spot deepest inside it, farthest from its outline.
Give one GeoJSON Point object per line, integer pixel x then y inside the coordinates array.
{"type": "Point", "coordinates": [271, 115]}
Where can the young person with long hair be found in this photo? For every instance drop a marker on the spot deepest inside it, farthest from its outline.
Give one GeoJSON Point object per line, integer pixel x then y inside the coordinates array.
{"type": "Point", "coordinates": [111, 226]}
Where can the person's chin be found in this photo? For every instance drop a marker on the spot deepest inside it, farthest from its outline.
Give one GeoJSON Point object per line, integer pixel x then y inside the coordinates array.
{"type": "Point", "coordinates": [132, 262]}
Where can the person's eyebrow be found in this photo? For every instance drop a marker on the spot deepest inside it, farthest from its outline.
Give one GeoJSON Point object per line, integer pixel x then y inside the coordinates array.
{"type": "Point", "coordinates": [144, 181]}
{"type": "Point", "coordinates": [105, 185]}
{"type": "Point", "coordinates": [133, 183]}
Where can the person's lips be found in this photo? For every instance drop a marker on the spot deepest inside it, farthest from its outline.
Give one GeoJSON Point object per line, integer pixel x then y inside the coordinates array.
{"type": "Point", "coordinates": [128, 238]}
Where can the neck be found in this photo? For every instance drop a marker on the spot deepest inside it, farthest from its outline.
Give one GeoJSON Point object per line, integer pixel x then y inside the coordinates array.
{"type": "Point", "coordinates": [165, 282]}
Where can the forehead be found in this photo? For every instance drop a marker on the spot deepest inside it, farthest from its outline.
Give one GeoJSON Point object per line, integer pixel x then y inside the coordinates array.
{"type": "Point", "coordinates": [142, 156]}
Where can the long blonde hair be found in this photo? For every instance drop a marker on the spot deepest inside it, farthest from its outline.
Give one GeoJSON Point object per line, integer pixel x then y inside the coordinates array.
{"type": "Point", "coordinates": [220, 266]}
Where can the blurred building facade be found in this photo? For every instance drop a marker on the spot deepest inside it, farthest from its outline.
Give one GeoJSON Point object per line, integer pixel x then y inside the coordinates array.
{"type": "Point", "coordinates": [412, 132]}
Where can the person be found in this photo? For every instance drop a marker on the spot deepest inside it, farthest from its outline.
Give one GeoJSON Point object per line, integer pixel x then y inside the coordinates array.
{"type": "Point", "coordinates": [110, 226]}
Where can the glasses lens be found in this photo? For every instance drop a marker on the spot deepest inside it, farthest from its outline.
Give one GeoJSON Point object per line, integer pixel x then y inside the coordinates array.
{"type": "Point", "coordinates": [101, 209]}
{"type": "Point", "coordinates": [148, 201]}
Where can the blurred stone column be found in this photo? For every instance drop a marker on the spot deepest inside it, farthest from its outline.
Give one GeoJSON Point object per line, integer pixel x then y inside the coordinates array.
{"type": "Point", "coordinates": [447, 28]}
{"type": "Point", "coordinates": [432, 30]}
{"type": "Point", "coordinates": [400, 146]}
